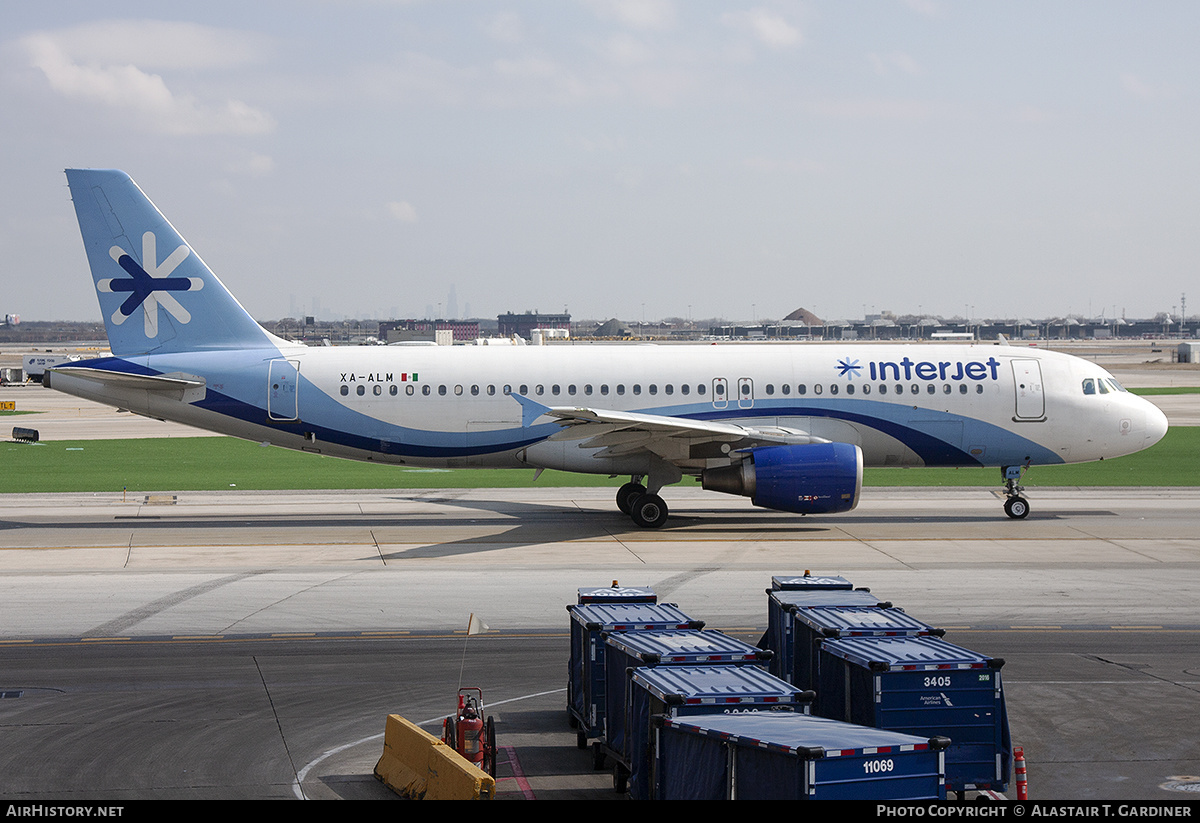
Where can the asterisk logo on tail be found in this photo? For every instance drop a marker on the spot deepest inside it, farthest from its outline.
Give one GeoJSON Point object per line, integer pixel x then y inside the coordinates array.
{"type": "Point", "coordinates": [150, 284]}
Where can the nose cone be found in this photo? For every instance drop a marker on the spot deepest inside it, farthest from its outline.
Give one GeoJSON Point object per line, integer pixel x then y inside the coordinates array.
{"type": "Point", "coordinates": [1156, 424]}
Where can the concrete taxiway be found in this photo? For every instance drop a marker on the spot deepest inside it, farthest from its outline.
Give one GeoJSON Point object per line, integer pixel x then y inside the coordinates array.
{"type": "Point", "coordinates": [251, 644]}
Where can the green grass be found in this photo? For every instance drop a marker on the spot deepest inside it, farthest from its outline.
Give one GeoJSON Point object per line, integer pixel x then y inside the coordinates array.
{"type": "Point", "coordinates": [1166, 390]}
{"type": "Point", "coordinates": [222, 463]}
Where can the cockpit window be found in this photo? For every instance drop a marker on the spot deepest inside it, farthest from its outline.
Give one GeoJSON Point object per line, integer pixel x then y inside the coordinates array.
{"type": "Point", "coordinates": [1089, 386]}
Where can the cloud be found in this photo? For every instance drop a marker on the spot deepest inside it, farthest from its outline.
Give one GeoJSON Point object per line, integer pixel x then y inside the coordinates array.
{"type": "Point", "coordinates": [113, 65]}
{"type": "Point", "coordinates": [642, 15]}
{"type": "Point", "coordinates": [767, 27]}
{"type": "Point", "coordinates": [887, 64]}
{"type": "Point", "coordinates": [402, 211]}
{"type": "Point", "coordinates": [1133, 85]}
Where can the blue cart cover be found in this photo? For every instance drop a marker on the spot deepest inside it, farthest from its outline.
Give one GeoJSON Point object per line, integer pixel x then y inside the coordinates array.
{"type": "Point", "coordinates": [629, 650]}
{"type": "Point", "coordinates": [585, 668]}
{"type": "Point", "coordinates": [616, 594]}
{"type": "Point", "coordinates": [784, 756]}
{"type": "Point", "coordinates": [782, 603]}
{"type": "Point", "coordinates": [808, 582]}
{"type": "Point", "coordinates": [924, 686]}
{"type": "Point", "coordinates": [681, 691]}
{"type": "Point", "coordinates": [812, 625]}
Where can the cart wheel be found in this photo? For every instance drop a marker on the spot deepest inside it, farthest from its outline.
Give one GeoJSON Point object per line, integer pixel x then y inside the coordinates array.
{"type": "Point", "coordinates": [597, 757]}
{"type": "Point", "coordinates": [448, 733]}
{"type": "Point", "coordinates": [620, 778]}
{"type": "Point", "coordinates": [581, 740]}
{"type": "Point", "coordinates": [490, 743]}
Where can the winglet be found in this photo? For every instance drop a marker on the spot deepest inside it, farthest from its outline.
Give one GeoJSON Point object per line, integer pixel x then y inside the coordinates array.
{"type": "Point", "coordinates": [530, 409]}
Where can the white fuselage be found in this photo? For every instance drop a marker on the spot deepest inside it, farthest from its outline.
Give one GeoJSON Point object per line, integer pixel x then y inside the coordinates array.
{"type": "Point", "coordinates": [903, 404]}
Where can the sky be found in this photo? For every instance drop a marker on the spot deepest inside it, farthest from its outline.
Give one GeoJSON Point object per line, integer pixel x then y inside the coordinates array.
{"type": "Point", "coordinates": [638, 159]}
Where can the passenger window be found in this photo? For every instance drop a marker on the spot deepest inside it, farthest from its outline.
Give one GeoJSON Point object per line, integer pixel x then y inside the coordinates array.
{"type": "Point", "coordinates": [833, 389]}
{"type": "Point", "coordinates": [866, 388]}
{"type": "Point", "coordinates": [620, 388]}
{"type": "Point", "coordinates": [850, 388]}
{"type": "Point", "coordinates": [931, 389]}
{"type": "Point", "coordinates": [802, 389]}
{"type": "Point", "coordinates": [393, 390]}
{"type": "Point", "coordinates": [554, 390]}
{"type": "Point", "coordinates": [979, 389]}
{"type": "Point", "coordinates": [604, 388]}
{"type": "Point", "coordinates": [684, 388]}
{"type": "Point", "coordinates": [816, 389]}
{"type": "Point", "coordinates": [770, 389]}
{"type": "Point", "coordinates": [637, 388]}
{"type": "Point", "coordinates": [571, 389]}
{"type": "Point", "coordinates": [345, 390]}
{"type": "Point", "coordinates": [587, 389]}
{"type": "Point", "coordinates": [442, 390]}
{"type": "Point", "coordinates": [524, 389]}
{"type": "Point", "coordinates": [962, 388]}
{"type": "Point", "coordinates": [785, 389]}
{"type": "Point", "coordinates": [410, 389]}
{"type": "Point", "coordinates": [426, 390]}
{"type": "Point", "coordinates": [653, 388]}
{"type": "Point", "coordinates": [377, 390]}
{"type": "Point", "coordinates": [361, 390]}
{"type": "Point", "coordinates": [701, 389]}
{"type": "Point", "coordinates": [883, 388]}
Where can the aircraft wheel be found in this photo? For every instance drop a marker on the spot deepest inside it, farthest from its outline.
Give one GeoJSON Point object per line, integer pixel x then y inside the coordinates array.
{"type": "Point", "coordinates": [649, 511]}
{"type": "Point", "coordinates": [625, 496]}
{"type": "Point", "coordinates": [1016, 507]}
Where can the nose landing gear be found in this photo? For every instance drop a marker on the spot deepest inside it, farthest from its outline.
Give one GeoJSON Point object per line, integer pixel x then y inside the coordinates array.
{"type": "Point", "coordinates": [1015, 505]}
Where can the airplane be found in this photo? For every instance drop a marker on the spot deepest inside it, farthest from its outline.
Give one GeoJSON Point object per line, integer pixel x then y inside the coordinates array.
{"type": "Point", "coordinates": [789, 426]}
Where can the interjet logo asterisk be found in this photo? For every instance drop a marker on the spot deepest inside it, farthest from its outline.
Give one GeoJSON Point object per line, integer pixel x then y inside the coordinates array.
{"type": "Point", "coordinates": [848, 368]}
{"type": "Point", "coordinates": [150, 284]}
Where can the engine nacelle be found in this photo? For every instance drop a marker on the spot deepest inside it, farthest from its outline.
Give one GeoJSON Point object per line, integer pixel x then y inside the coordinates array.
{"type": "Point", "coordinates": [814, 478]}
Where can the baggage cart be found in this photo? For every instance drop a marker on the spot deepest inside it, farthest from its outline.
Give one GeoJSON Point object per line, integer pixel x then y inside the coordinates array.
{"type": "Point", "coordinates": [782, 603]}
{"type": "Point", "coordinates": [923, 686]}
{"type": "Point", "coordinates": [585, 668]}
{"type": "Point", "coordinates": [788, 756]}
{"type": "Point", "coordinates": [686, 691]}
{"type": "Point", "coordinates": [812, 625]}
{"type": "Point", "coordinates": [626, 651]}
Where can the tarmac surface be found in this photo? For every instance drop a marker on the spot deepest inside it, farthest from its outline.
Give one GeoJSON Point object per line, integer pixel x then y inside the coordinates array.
{"type": "Point", "coordinates": [250, 644]}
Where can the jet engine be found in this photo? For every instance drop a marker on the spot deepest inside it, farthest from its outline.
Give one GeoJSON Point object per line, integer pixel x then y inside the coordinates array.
{"type": "Point", "coordinates": [813, 478]}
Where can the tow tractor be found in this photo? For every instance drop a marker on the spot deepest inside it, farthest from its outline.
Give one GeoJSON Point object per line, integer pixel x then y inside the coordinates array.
{"type": "Point", "coordinates": [468, 734]}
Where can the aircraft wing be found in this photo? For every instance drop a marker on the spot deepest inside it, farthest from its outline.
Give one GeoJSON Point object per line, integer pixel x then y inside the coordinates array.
{"type": "Point", "coordinates": [672, 438]}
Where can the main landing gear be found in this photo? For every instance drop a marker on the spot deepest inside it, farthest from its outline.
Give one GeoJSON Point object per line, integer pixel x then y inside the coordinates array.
{"type": "Point", "coordinates": [1015, 506]}
{"type": "Point", "coordinates": [646, 509]}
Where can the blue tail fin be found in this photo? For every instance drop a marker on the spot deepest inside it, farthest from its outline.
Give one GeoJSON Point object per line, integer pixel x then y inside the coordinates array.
{"type": "Point", "coordinates": [156, 294]}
